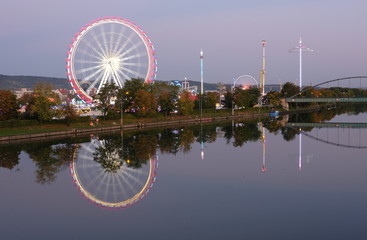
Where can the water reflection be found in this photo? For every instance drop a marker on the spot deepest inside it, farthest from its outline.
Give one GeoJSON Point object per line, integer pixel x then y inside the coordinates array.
{"type": "Point", "coordinates": [117, 171]}
{"type": "Point", "coordinates": [106, 178]}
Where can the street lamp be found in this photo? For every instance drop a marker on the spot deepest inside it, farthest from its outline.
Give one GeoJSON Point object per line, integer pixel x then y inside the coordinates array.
{"type": "Point", "coordinates": [121, 111]}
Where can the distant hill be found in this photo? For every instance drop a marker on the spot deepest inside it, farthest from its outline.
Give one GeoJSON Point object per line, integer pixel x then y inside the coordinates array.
{"type": "Point", "coordinates": [17, 82]}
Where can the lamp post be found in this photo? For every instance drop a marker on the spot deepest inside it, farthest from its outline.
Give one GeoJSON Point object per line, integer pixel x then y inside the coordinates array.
{"type": "Point", "coordinates": [121, 114]}
{"type": "Point", "coordinates": [121, 110]}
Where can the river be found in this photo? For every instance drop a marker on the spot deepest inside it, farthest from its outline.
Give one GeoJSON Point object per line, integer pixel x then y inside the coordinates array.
{"type": "Point", "coordinates": [232, 180]}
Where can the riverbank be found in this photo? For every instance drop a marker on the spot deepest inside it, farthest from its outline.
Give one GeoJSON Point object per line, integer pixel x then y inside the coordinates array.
{"type": "Point", "coordinates": [44, 132]}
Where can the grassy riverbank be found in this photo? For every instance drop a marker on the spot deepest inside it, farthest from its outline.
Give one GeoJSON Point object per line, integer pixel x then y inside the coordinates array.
{"type": "Point", "coordinates": [128, 120]}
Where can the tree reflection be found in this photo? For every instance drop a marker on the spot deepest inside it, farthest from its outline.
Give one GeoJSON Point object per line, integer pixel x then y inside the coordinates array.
{"type": "Point", "coordinates": [9, 159]}
{"type": "Point", "coordinates": [49, 159]}
{"type": "Point", "coordinates": [109, 155]}
{"type": "Point", "coordinates": [245, 132]}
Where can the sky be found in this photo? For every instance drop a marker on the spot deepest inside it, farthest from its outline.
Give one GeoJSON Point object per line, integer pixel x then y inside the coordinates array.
{"type": "Point", "coordinates": [35, 35]}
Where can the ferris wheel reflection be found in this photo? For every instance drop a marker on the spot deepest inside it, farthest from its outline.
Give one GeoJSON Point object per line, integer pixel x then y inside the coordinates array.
{"type": "Point", "coordinates": [106, 179]}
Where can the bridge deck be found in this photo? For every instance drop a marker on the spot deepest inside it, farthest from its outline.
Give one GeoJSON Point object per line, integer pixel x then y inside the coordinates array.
{"type": "Point", "coordinates": [327, 125]}
{"type": "Point", "coordinates": [327, 100]}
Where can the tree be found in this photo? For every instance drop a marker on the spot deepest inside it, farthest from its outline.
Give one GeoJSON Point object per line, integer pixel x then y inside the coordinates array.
{"type": "Point", "coordinates": [246, 97]}
{"type": "Point", "coordinates": [106, 94]}
{"type": "Point", "coordinates": [166, 103]}
{"type": "Point", "coordinates": [131, 87]}
{"type": "Point", "coordinates": [69, 113]}
{"type": "Point", "coordinates": [28, 100]}
{"type": "Point", "coordinates": [8, 105]}
{"type": "Point", "coordinates": [44, 101]}
{"type": "Point", "coordinates": [228, 99]}
{"type": "Point", "coordinates": [289, 89]}
{"type": "Point", "coordinates": [210, 99]}
{"type": "Point", "coordinates": [166, 95]}
{"type": "Point", "coordinates": [144, 103]}
{"type": "Point", "coordinates": [273, 98]}
{"type": "Point", "coordinates": [185, 103]}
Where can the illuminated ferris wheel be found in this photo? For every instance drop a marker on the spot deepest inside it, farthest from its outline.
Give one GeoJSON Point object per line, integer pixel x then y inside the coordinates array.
{"type": "Point", "coordinates": [109, 50]}
{"type": "Point", "coordinates": [110, 183]}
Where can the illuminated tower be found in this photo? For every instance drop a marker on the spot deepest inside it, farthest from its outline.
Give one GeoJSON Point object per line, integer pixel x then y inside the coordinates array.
{"type": "Point", "coordinates": [202, 72]}
{"type": "Point", "coordinates": [263, 141]}
{"type": "Point", "coordinates": [262, 71]}
{"type": "Point", "coordinates": [300, 150]}
{"type": "Point", "coordinates": [300, 48]}
{"type": "Point", "coordinates": [202, 82]}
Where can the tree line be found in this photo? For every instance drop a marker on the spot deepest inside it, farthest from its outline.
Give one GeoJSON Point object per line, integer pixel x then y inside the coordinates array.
{"type": "Point", "coordinates": [135, 148]}
{"type": "Point", "coordinates": [147, 100]}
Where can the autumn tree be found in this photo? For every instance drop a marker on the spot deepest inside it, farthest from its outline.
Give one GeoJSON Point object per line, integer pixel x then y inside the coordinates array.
{"type": "Point", "coordinates": [45, 100]}
{"type": "Point", "coordinates": [210, 99]}
{"type": "Point", "coordinates": [185, 103]}
{"type": "Point", "coordinates": [273, 98]}
{"type": "Point", "coordinates": [8, 105]}
{"type": "Point", "coordinates": [166, 95]}
{"type": "Point", "coordinates": [144, 103]}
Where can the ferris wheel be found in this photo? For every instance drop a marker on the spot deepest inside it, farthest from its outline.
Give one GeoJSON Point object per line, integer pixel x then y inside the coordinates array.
{"type": "Point", "coordinates": [109, 50]}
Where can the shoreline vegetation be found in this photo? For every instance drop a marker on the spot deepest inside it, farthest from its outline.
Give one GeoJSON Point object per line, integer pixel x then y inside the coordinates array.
{"type": "Point", "coordinates": [53, 130]}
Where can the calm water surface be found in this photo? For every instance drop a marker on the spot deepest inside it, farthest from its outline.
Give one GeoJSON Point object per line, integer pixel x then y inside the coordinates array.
{"type": "Point", "coordinates": [240, 180]}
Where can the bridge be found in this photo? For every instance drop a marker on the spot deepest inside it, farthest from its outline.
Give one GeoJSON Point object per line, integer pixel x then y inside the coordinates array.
{"type": "Point", "coordinates": [293, 98]}
{"type": "Point", "coordinates": [327, 125]}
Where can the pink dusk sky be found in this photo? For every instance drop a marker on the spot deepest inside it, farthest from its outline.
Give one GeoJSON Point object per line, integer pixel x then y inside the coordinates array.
{"type": "Point", "coordinates": [35, 36]}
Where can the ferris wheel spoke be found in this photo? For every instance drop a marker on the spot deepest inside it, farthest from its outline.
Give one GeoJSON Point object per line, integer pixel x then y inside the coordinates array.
{"type": "Point", "coordinates": [104, 40]}
{"type": "Point", "coordinates": [90, 46]}
{"type": "Point", "coordinates": [132, 64]}
{"type": "Point", "coordinates": [122, 183]}
{"type": "Point", "coordinates": [135, 73]}
{"type": "Point", "coordinates": [111, 40]}
{"type": "Point", "coordinates": [121, 35]}
{"type": "Point", "coordinates": [85, 53]}
{"type": "Point", "coordinates": [88, 78]}
{"type": "Point", "coordinates": [94, 83]}
{"type": "Point", "coordinates": [123, 74]}
{"type": "Point", "coordinates": [117, 78]}
{"type": "Point", "coordinates": [83, 61]}
{"type": "Point", "coordinates": [87, 69]}
{"type": "Point", "coordinates": [101, 51]}
{"type": "Point", "coordinates": [127, 41]}
{"type": "Point", "coordinates": [128, 184]}
{"type": "Point", "coordinates": [101, 181]}
{"type": "Point", "coordinates": [135, 46]}
{"type": "Point", "coordinates": [133, 177]}
{"type": "Point", "coordinates": [104, 80]}
{"type": "Point", "coordinates": [96, 179]}
{"type": "Point", "coordinates": [138, 55]}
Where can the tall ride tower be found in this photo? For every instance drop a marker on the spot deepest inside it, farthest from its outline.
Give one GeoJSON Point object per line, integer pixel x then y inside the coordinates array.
{"type": "Point", "coordinates": [262, 71]}
{"type": "Point", "coordinates": [202, 82]}
{"type": "Point", "coordinates": [300, 48]}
